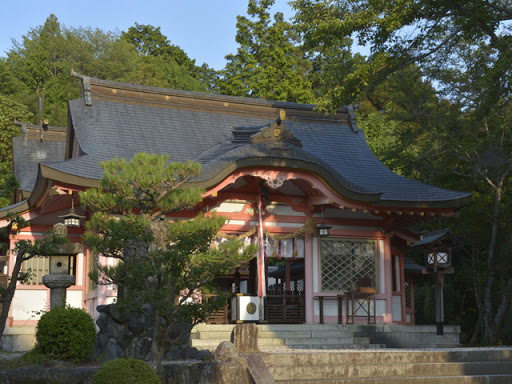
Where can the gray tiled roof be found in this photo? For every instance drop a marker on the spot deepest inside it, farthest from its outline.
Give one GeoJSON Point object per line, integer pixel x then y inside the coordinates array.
{"type": "Point", "coordinates": [429, 238]}
{"type": "Point", "coordinates": [411, 266]}
{"type": "Point", "coordinates": [28, 153]}
{"type": "Point", "coordinates": [109, 128]}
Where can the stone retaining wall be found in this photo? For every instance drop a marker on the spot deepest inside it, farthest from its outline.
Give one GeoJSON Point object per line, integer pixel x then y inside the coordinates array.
{"type": "Point", "coordinates": [229, 367]}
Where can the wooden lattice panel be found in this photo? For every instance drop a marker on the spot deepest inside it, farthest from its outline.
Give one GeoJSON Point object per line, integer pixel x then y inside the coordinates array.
{"type": "Point", "coordinates": [38, 267]}
{"type": "Point", "coordinates": [345, 262]}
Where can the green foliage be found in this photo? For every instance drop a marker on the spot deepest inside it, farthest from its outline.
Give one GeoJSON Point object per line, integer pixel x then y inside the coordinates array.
{"type": "Point", "coordinates": [149, 183]}
{"type": "Point", "coordinates": [162, 263]}
{"type": "Point", "coordinates": [125, 371]}
{"type": "Point", "coordinates": [403, 32]}
{"type": "Point", "coordinates": [8, 84]}
{"type": "Point", "coordinates": [35, 357]}
{"type": "Point", "coordinates": [10, 111]}
{"type": "Point", "coordinates": [163, 64]}
{"type": "Point", "coordinates": [268, 63]}
{"type": "Point", "coordinates": [66, 333]}
{"type": "Point", "coordinates": [333, 72]}
{"type": "Point", "coordinates": [47, 53]}
{"type": "Point", "coordinates": [456, 136]}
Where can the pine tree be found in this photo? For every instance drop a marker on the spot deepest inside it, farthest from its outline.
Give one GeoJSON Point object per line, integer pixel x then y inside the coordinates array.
{"type": "Point", "coordinates": [161, 264]}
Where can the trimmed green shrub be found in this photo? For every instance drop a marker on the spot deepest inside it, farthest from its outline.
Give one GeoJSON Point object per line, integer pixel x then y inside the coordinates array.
{"type": "Point", "coordinates": [66, 333]}
{"type": "Point", "coordinates": [125, 371]}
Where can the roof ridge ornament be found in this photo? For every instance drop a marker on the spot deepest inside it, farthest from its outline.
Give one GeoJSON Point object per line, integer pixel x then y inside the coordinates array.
{"type": "Point", "coordinates": [86, 87]}
{"type": "Point", "coordinates": [273, 134]}
{"type": "Point", "coordinates": [352, 117]}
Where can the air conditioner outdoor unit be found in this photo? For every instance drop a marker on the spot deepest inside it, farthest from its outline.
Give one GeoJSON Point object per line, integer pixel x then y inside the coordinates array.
{"type": "Point", "coordinates": [246, 308]}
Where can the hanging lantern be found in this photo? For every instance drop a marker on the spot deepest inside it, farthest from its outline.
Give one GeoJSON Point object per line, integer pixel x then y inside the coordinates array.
{"type": "Point", "coordinates": [72, 219]}
{"type": "Point", "coordinates": [322, 228]}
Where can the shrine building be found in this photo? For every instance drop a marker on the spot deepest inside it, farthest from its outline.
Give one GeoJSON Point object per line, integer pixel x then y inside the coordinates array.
{"type": "Point", "coordinates": [334, 220]}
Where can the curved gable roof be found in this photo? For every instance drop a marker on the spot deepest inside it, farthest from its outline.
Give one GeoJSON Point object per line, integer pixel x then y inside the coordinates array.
{"type": "Point", "coordinates": [122, 119]}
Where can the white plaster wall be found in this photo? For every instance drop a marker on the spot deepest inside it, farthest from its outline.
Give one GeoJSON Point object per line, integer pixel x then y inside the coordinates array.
{"type": "Point", "coordinates": [381, 268]}
{"type": "Point", "coordinates": [243, 286]}
{"type": "Point", "coordinates": [231, 207]}
{"type": "Point", "coordinates": [381, 307]}
{"type": "Point", "coordinates": [397, 308]}
{"type": "Point", "coordinates": [80, 269]}
{"type": "Point", "coordinates": [74, 298]}
{"type": "Point", "coordinates": [282, 224]}
{"type": "Point", "coordinates": [330, 307]}
{"type": "Point", "coordinates": [28, 301]}
{"type": "Point", "coordinates": [284, 210]}
{"type": "Point", "coordinates": [235, 222]}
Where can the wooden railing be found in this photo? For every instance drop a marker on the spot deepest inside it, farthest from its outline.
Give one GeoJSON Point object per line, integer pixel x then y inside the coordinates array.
{"type": "Point", "coordinates": [339, 298]}
{"type": "Point", "coordinates": [354, 301]}
{"type": "Point", "coordinates": [280, 309]}
{"type": "Point", "coordinates": [288, 309]}
{"type": "Point", "coordinates": [223, 315]}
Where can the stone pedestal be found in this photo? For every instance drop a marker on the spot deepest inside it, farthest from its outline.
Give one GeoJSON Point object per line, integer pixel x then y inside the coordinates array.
{"type": "Point", "coordinates": [58, 285]}
{"type": "Point", "coordinates": [245, 338]}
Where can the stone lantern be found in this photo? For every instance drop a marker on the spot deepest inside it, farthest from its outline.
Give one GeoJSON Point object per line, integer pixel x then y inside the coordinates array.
{"type": "Point", "coordinates": [437, 248]}
{"type": "Point", "coordinates": [60, 278]}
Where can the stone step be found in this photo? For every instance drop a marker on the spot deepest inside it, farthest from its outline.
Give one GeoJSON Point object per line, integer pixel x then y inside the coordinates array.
{"type": "Point", "coordinates": [360, 371]}
{"type": "Point", "coordinates": [298, 327]}
{"type": "Point", "coordinates": [336, 346]}
{"type": "Point", "coordinates": [322, 327]}
{"type": "Point", "coordinates": [389, 356]}
{"type": "Point", "coordinates": [326, 341]}
{"type": "Point", "coordinates": [215, 342]}
{"type": "Point", "coordinates": [208, 334]}
{"type": "Point", "coordinates": [226, 335]}
{"type": "Point", "coordinates": [287, 336]}
{"type": "Point", "coordinates": [213, 327]}
{"type": "Point", "coordinates": [482, 379]}
{"type": "Point", "coordinates": [283, 334]}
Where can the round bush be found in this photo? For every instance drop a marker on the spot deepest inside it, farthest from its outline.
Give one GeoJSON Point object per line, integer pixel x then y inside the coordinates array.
{"type": "Point", "coordinates": [125, 371]}
{"type": "Point", "coordinates": [66, 333]}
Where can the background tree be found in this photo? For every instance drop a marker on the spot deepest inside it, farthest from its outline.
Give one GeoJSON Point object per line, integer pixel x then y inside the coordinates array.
{"type": "Point", "coordinates": [161, 264]}
{"type": "Point", "coordinates": [164, 64]}
{"type": "Point", "coordinates": [268, 64]}
{"type": "Point", "coordinates": [47, 53]}
{"type": "Point", "coordinates": [402, 32]}
{"type": "Point", "coordinates": [464, 48]}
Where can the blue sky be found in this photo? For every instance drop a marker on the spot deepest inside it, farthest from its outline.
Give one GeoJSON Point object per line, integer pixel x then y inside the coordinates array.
{"type": "Point", "coordinates": [204, 29]}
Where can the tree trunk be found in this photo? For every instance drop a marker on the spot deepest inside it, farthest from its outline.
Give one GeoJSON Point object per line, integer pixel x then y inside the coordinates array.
{"type": "Point", "coordinates": [478, 297]}
{"type": "Point", "coordinates": [504, 304]}
{"type": "Point", "coordinates": [478, 329]}
{"type": "Point", "coordinates": [158, 350]}
{"type": "Point", "coordinates": [9, 292]}
{"type": "Point", "coordinates": [489, 321]}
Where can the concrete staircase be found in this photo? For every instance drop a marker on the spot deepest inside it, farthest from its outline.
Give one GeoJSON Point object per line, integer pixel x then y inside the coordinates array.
{"type": "Point", "coordinates": [453, 366]}
{"type": "Point", "coordinates": [287, 336]}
